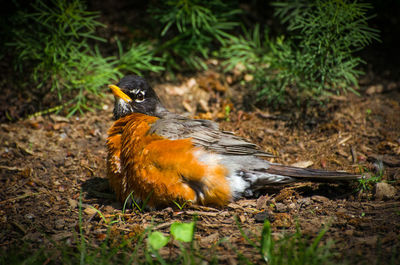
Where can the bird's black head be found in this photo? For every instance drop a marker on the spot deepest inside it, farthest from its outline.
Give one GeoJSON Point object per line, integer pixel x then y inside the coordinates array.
{"type": "Point", "coordinates": [133, 94]}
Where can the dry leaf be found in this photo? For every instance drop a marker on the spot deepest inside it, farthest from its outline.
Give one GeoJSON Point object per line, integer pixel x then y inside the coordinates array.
{"type": "Point", "coordinates": [90, 211]}
{"type": "Point", "coordinates": [303, 164]}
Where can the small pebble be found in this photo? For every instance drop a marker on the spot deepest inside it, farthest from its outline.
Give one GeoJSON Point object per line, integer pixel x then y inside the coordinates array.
{"type": "Point", "coordinates": [304, 201]}
{"type": "Point", "coordinates": [281, 208]}
{"type": "Point", "coordinates": [264, 215]}
{"type": "Point", "coordinates": [319, 198]}
{"type": "Point", "coordinates": [384, 191]}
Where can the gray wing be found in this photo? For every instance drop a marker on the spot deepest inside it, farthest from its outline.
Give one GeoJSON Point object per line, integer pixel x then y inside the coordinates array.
{"type": "Point", "coordinates": [206, 134]}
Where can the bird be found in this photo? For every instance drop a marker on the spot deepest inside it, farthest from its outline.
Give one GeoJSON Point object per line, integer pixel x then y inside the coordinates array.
{"type": "Point", "coordinates": [161, 158]}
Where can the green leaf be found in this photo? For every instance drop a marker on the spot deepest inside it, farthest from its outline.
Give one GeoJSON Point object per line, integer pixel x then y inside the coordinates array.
{"type": "Point", "coordinates": [157, 240]}
{"type": "Point", "coordinates": [267, 244]}
{"type": "Point", "coordinates": [183, 231]}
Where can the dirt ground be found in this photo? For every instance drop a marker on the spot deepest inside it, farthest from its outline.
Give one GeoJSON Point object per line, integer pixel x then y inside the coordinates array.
{"type": "Point", "coordinates": [47, 162]}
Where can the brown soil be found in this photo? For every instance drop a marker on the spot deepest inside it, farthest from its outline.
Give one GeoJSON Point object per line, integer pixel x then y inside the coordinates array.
{"type": "Point", "coordinates": [46, 162]}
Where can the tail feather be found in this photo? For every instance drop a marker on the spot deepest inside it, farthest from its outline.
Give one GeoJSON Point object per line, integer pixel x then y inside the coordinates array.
{"type": "Point", "coordinates": [310, 174]}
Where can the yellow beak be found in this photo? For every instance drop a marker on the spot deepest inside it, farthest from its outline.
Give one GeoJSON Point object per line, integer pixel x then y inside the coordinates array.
{"type": "Point", "coordinates": [118, 93]}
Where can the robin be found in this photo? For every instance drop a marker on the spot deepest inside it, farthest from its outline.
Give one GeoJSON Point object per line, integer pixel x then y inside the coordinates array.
{"type": "Point", "coordinates": [160, 157]}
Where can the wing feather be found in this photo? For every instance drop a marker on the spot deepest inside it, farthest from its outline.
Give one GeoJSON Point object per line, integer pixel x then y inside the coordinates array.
{"type": "Point", "coordinates": [205, 134]}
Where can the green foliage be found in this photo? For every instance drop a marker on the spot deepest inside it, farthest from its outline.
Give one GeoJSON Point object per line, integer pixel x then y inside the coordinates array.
{"type": "Point", "coordinates": [180, 205]}
{"type": "Point", "coordinates": [157, 240]}
{"type": "Point", "coordinates": [297, 249]}
{"type": "Point", "coordinates": [255, 54]}
{"type": "Point", "coordinates": [83, 75]}
{"type": "Point", "coordinates": [191, 28]}
{"type": "Point", "coordinates": [292, 249]}
{"type": "Point", "coordinates": [139, 58]}
{"type": "Point", "coordinates": [368, 179]}
{"type": "Point", "coordinates": [183, 231]}
{"type": "Point", "coordinates": [246, 52]}
{"type": "Point", "coordinates": [318, 58]}
{"type": "Point", "coordinates": [267, 243]}
{"type": "Point", "coordinates": [327, 33]}
{"type": "Point", "coordinates": [135, 205]}
{"type": "Point", "coordinates": [55, 43]}
{"type": "Point", "coordinates": [51, 44]}
{"type": "Point", "coordinates": [22, 255]}
{"type": "Point", "coordinates": [52, 40]}
{"type": "Point", "coordinates": [105, 220]}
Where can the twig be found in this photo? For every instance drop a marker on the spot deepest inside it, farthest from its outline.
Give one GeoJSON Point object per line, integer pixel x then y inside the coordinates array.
{"type": "Point", "coordinates": [384, 205]}
{"type": "Point", "coordinates": [93, 215]}
{"type": "Point", "coordinates": [11, 168]}
{"type": "Point", "coordinates": [344, 140]}
{"type": "Point", "coordinates": [215, 225]}
{"type": "Point", "coordinates": [388, 160]}
{"type": "Point", "coordinates": [90, 169]}
{"type": "Point", "coordinates": [24, 150]}
{"type": "Point", "coordinates": [46, 111]}
{"type": "Point", "coordinates": [124, 229]}
{"type": "Point", "coordinates": [163, 225]}
{"type": "Point", "coordinates": [204, 208]}
{"type": "Point", "coordinates": [271, 117]}
{"type": "Point", "coordinates": [213, 214]}
{"type": "Point", "coordinates": [353, 154]}
{"type": "Point", "coordinates": [20, 227]}
{"type": "Point", "coordinates": [20, 197]}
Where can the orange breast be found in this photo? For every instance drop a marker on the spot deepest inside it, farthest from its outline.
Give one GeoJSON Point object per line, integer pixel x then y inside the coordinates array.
{"type": "Point", "coordinates": [160, 170]}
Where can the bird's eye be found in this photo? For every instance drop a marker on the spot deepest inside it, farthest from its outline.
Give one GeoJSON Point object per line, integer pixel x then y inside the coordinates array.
{"type": "Point", "coordinates": [139, 96]}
